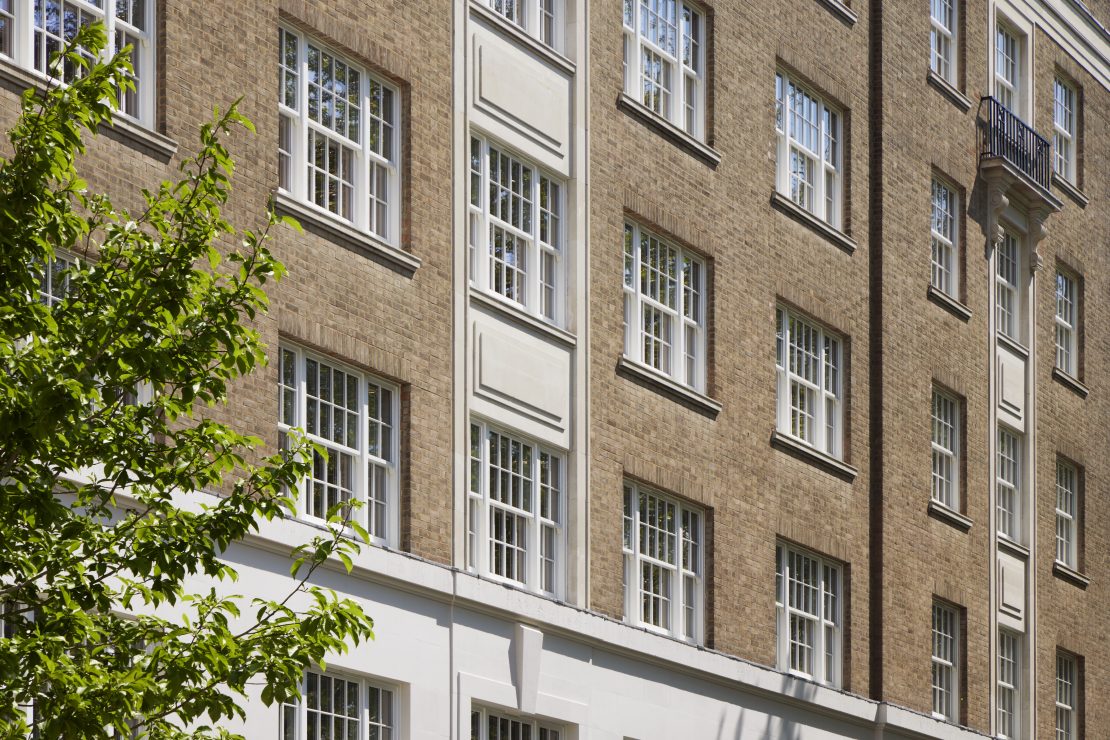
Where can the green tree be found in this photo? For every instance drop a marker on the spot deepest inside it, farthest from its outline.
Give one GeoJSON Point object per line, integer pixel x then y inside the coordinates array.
{"type": "Point", "coordinates": [107, 446]}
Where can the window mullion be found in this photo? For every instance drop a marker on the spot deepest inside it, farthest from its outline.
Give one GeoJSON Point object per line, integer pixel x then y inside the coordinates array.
{"type": "Point", "coordinates": [678, 355]}
{"type": "Point", "coordinates": [532, 540]}
{"type": "Point", "coordinates": [783, 394]}
{"type": "Point", "coordinates": [819, 646]}
{"type": "Point", "coordinates": [362, 160]}
{"type": "Point", "coordinates": [302, 421]}
{"type": "Point", "coordinates": [394, 167]}
{"type": "Point", "coordinates": [23, 34]}
{"type": "Point", "coordinates": [678, 94]}
{"type": "Point", "coordinates": [483, 544]}
{"type": "Point", "coordinates": [784, 139]}
{"type": "Point", "coordinates": [677, 593]}
{"type": "Point", "coordinates": [637, 313]}
{"type": "Point", "coordinates": [483, 246]}
{"type": "Point", "coordinates": [108, 17]}
{"type": "Point", "coordinates": [362, 475]}
{"type": "Point", "coordinates": [147, 56]}
{"type": "Point", "coordinates": [632, 589]}
{"type": "Point", "coordinates": [532, 266]}
{"type": "Point", "coordinates": [820, 431]}
{"type": "Point", "coordinates": [821, 177]}
{"type": "Point", "coordinates": [675, 570]}
{"type": "Point", "coordinates": [300, 155]}
{"type": "Point", "coordinates": [302, 707]}
{"type": "Point", "coordinates": [637, 53]}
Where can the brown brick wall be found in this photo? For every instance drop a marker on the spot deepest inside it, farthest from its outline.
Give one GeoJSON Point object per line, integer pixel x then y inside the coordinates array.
{"type": "Point", "coordinates": [758, 256]}
{"type": "Point", "coordinates": [1068, 424]}
{"type": "Point", "coordinates": [401, 327]}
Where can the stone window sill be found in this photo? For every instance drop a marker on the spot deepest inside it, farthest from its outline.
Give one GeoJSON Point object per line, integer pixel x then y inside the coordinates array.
{"type": "Point", "coordinates": [1071, 190]}
{"type": "Point", "coordinates": [1018, 550]}
{"type": "Point", "coordinates": [949, 516]}
{"type": "Point", "coordinates": [841, 11]}
{"type": "Point", "coordinates": [677, 136]}
{"type": "Point", "coordinates": [949, 304]}
{"type": "Point", "coordinates": [801, 450]}
{"type": "Point", "coordinates": [142, 139]}
{"type": "Point", "coordinates": [1010, 344]}
{"type": "Point", "coordinates": [1070, 575]}
{"type": "Point", "coordinates": [527, 321]}
{"type": "Point", "coordinates": [514, 32]}
{"type": "Point", "coordinates": [128, 132]}
{"type": "Point", "coordinates": [805, 218]}
{"type": "Point", "coordinates": [948, 90]}
{"type": "Point", "coordinates": [1070, 382]}
{"type": "Point", "coordinates": [345, 235]}
{"type": "Point", "coordinates": [661, 383]}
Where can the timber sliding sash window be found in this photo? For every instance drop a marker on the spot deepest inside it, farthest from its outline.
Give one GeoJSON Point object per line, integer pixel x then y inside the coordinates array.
{"type": "Point", "coordinates": [32, 31]}
{"type": "Point", "coordinates": [338, 136]}
{"type": "Point", "coordinates": [354, 416]}
{"type": "Point", "coordinates": [516, 231]}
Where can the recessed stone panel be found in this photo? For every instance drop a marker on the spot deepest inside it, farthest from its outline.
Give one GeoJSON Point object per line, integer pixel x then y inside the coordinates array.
{"type": "Point", "coordinates": [520, 98]}
{"type": "Point", "coordinates": [1011, 591]}
{"type": "Point", "coordinates": [521, 379]}
{"type": "Point", "coordinates": [1011, 388]}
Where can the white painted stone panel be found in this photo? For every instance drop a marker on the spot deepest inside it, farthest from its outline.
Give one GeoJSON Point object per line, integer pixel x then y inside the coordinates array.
{"type": "Point", "coordinates": [1011, 384]}
{"type": "Point", "coordinates": [521, 378]}
{"type": "Point", "coordinates": [1011, 586]}
{"type": "Point", "coordinates": [446, 641]}
{"type": "Point", "coordinates": [518, 97]}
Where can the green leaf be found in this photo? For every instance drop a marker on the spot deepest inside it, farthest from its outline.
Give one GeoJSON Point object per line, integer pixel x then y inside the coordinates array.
{"type": "Point", "coordinates": [167, 308]}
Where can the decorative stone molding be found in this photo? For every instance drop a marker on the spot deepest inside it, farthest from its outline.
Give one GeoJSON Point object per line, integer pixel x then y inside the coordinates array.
{"type": "Point", "coordinates": [997, 203]}
{"type": "Point", "coordinates": [1037, 232]}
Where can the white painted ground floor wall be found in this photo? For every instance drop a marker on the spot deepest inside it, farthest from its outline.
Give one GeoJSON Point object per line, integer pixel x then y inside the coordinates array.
{"type": "Point", "coordinates": [447, 640]}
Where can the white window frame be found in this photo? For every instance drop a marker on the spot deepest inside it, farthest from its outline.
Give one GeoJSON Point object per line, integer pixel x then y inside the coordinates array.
{"type": "Point", "coordinates": [946, 662]}
{"type": "Point", "coordinates": [823, 429]}
{"type": "Point", "coordinates": [810, 132]}
{"type": "Point", "coordinates": [541, 512]}
{"type": "Point", "coordinates": [510, 726]}
{"type": "Point", "coordinates": [1065, 110]}
{"type": "Point", "coordinates": [944, 229]}
{"type": "Point", "coordinates": [664, 306]}
{"type": "Point", "coordinates": [540, 19]}
{"type": "Point", "coordinates": [823, 615]}
{"type": "Point", "coordinates": [377, 708]}
{"type": "Point", "coordinates": [1067, 323]}
{"type": "Point", "coordinates": [1067, 692]}
{"type": "Point", "coordinates": [373, 477]}
{"type": "Point", "coordinates": [20, 43]}
{"type": "Point", "coordinates": [1067, 513]}
{"type": "Point", "coordinates": [1009, 287]}
{"type": "Point", "coordinates": [943, 38]}
{"type": "Point", "coordinates": [1009, 484]}
{"type": "Point", "coordinates": [672, 85]}
{"type": "Point", "coordinates": [374, 184]}
{"type": "Point", "coordinates": [1008, 703]}
{"type": "Point", "coordinates": [532, 276]}
{"type": "Point", "coordinates": [53, 281]}
{"type": "Point", "coordinates": [677, 529]}
{"type": "Point", "coordinates": [1009, 72]}
{"type": "Point", "coordinates": [946, 417]}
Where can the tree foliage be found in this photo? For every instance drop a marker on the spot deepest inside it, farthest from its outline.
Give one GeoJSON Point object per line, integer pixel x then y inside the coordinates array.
{"type": "Point", "coordinates": [109, 459]}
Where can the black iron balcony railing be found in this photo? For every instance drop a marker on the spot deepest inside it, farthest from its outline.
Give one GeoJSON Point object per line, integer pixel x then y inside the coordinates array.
{"type": "Point", "coordinates": [1003, 134]}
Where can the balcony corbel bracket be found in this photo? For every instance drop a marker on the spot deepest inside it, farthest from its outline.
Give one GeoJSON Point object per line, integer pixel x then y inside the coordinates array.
{"type": "Point", "coordinates": [1037, 232]}
{"type": "Point", "coordinates": [997, 203]}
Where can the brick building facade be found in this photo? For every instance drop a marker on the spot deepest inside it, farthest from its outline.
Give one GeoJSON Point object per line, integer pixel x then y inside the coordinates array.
{"type": "Point", "coordinates": [721, 369]}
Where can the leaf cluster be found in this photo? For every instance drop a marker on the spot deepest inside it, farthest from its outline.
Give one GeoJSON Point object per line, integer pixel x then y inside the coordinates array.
{"type": "Point", "coordinates": [107, 443]}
